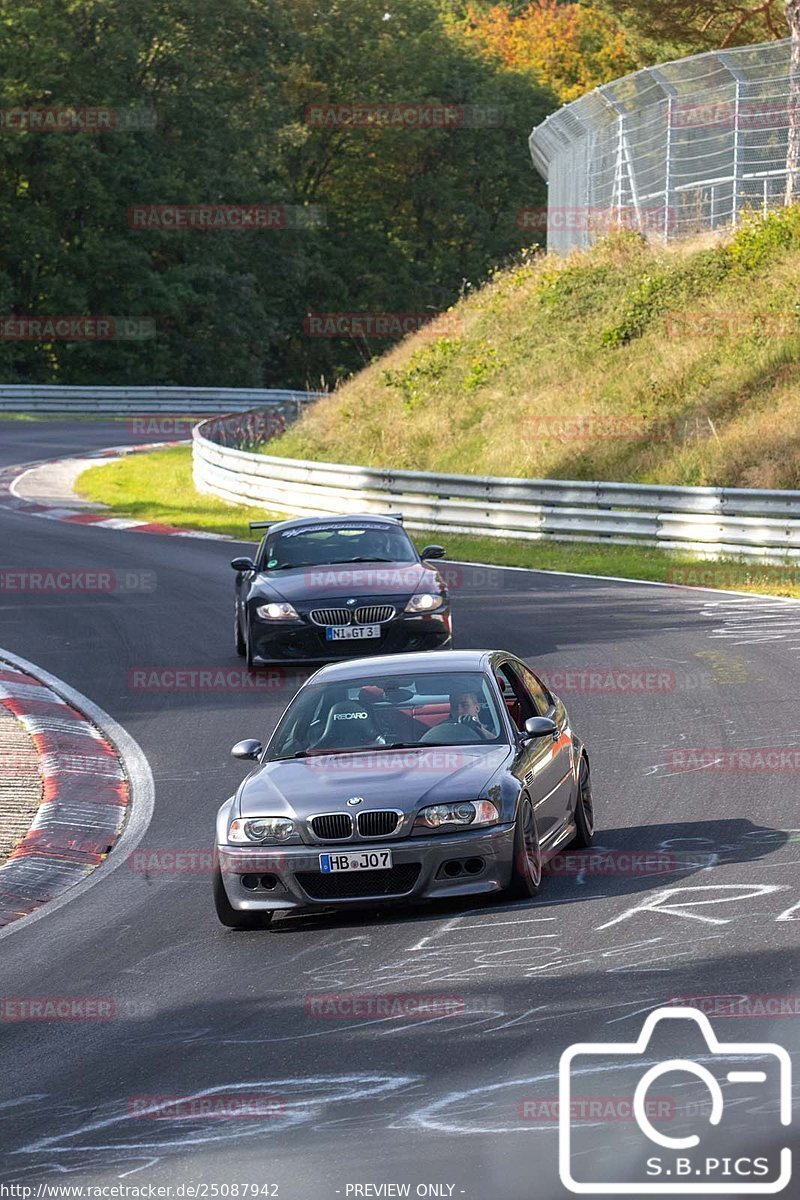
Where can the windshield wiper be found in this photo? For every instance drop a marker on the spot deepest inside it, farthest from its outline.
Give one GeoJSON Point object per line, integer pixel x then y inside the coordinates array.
{"type": "Point", "coordinates": [359, 558]}
{"type": "Point", "coordinates": [289, 566]}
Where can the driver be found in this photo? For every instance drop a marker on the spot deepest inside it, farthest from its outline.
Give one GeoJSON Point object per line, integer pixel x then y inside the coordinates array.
{"type": "Point", "coordinates": [467, 711]}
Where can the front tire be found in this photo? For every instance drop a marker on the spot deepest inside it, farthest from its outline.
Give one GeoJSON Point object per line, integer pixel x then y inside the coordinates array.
{"type": "Point", "coordinates": [241, 644]}
{"type": "Point", "coordinates": [584, 809]}
{"type": "Point", "coordinates": [248, 649]}
{"type": "Point", "coordinates": [526, 867]}
{"type": "Point", "coordinates": [231, 917]}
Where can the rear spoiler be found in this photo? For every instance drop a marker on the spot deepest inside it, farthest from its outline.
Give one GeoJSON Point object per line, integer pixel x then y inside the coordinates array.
{"type": "Point", "coordinates": [262, 524]}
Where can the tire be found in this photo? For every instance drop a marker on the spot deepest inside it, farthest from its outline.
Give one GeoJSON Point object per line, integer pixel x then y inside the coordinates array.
{"type": "Point", "coordinates": [248, 650]}
{"type": "Point", "coordinates": [230, 916]}
{"type": "Point", "coordinates": [241, 644]}
{"type": "Point", "coordinates": [526, 867]}
{"type": "Point", "coordinates": [584, 809]}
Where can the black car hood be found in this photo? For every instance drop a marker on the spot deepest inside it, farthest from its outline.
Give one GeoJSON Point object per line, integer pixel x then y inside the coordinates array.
{"type": "Point", "coordinates": [339, 581]}
{"type": "Point", "coordinates": [404, 779]}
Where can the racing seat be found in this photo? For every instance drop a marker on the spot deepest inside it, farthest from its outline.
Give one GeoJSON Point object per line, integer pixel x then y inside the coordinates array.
{"type": "Point", "coordinates": [349, 724]}
{"type": "Point", "coordinates": [393, 722]}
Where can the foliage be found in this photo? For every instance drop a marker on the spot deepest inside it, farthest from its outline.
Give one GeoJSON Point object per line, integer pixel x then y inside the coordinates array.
{"type": "Point", "coordinates": [408, 213]}
{"type": "Point", "coordinates": [570, 47]}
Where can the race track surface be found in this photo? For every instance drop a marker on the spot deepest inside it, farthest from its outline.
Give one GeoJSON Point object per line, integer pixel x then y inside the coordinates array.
{"type": "Point", "coordinates": [200, 1009]}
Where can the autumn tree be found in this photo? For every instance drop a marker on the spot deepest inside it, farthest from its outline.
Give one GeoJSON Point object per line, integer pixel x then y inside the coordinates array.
{"type": "Point", "coordinates": [570, 48]}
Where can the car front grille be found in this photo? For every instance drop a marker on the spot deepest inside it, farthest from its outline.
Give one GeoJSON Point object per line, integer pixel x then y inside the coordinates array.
{"type": "Point", "coordinates": [375, 614]}
{"type": "Point", "coordinates": [330, 616]}
{"type": "Point", "coordinates": [333, 827]}
{"type": "Point", "coordinates": [378, 824]}
{"type": "Point", "coordinates": [346, 885]}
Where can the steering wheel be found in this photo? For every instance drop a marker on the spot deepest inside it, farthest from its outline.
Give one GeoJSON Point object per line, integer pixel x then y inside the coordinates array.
{"type": "Point", "coordinates": [453, 733]}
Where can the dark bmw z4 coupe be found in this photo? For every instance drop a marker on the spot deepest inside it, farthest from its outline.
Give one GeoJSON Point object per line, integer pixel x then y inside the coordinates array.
{"type": "Point", "coordinates": [325, 588]}
{"type": "Point", "coordinates": [409, 777]}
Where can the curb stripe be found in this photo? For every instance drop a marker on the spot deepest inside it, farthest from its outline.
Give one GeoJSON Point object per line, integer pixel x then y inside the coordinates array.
{"type": "Point", "coordinates": [92, 774]}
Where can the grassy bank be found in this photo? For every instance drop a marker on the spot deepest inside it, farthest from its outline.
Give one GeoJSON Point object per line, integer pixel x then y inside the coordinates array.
{"type": "Point", "coordinates": [158, 487]}
{"type": "Point", "coordinates": [626, 362]}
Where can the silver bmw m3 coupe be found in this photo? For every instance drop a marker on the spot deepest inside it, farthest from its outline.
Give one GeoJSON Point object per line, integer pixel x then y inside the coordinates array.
{"type": "Point", "coordinates": [404, 777]}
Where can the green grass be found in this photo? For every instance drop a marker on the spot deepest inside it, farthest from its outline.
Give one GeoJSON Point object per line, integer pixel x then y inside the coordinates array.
{"type": "Point", "coordinates": [610, 342]}
{"type": "Point", "coordinates": [157, 486]}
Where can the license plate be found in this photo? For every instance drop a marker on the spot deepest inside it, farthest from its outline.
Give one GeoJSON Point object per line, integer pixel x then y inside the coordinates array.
{"type": "Point", "coordinates": [345, 633]}
{"type": "Point", "coordinates": [355, 860]}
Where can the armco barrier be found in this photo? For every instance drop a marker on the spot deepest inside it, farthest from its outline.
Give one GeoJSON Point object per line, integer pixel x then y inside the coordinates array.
{"type": "Point", "coordinates": [711, 522]}
{"type": "Point", "coordinates": [47, 398]}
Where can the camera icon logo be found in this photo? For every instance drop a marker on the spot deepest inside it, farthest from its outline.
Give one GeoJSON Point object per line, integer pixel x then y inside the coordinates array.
{"type": "Point", "coordinates": [647, 1160]}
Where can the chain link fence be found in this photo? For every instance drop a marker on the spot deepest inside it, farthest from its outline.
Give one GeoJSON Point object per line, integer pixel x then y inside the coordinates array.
{"type": "Point", "coordinates": [672, 150]}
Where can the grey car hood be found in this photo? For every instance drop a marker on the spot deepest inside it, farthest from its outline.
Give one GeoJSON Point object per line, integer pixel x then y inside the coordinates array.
{"type": "Point", "coordinates": [404, 779]}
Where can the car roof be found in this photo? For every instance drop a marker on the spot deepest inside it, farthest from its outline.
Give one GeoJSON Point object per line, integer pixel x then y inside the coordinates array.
{"type": "Point", "coordinates": [339, 518]}
{"type": "Point", "coordinates": [432, 662]}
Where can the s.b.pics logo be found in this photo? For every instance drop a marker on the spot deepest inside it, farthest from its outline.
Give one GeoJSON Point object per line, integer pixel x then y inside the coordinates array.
{"type": "Point", "coordinates": [712, 1143]}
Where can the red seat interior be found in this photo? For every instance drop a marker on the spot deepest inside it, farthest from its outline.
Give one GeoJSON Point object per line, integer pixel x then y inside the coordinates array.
{"type": "Point", "coordinates": [430, 714]}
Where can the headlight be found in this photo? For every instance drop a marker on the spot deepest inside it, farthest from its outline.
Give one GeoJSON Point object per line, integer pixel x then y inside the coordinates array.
{"type": "Point", "coordinates": [424, 602]}
{"type": "Point", "coordinates": [277, 612]}
{"type": "Point", "coordinates": [469, 812]}
{"type": "Point", "coordinates": [260, 829]}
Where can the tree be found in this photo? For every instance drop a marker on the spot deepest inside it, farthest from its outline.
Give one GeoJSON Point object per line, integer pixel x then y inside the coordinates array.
{"type": "Point", "coordinates": [410, 213]}
{"type": "Point", "coordinates": [569, 47]}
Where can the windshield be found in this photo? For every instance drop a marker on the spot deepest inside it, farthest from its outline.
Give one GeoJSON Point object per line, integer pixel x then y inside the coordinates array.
{"type": "Point", "coordinates": [447, 709]}
{"type": "Point", "coordinates": [320, 545]}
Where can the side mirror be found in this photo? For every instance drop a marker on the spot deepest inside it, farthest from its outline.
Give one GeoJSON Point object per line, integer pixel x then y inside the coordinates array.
{"type": "Point", "coordinates": [432, 552]}
{"type": "Point", "coordinates": [538, 727]}
{"type": "Point", "coordinates": [243, 564]}
{"type": "Point", "coordinates": [249, 748]}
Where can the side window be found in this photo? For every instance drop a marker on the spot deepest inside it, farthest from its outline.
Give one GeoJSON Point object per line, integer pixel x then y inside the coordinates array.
{"type": "Point", "coordinates": [516, 698]}
{"type": "Point", "coordinates": [541, 697]}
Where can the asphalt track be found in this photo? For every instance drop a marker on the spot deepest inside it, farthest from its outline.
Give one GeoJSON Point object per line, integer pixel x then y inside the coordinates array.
{"type": "Point", "coordinates": [203, 1010]}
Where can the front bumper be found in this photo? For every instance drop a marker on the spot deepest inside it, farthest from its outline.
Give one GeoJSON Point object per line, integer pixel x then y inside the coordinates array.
{"type": "Point", "coordinates": [306, 642]}
{"type": "Point", "coordinates": [417, 872]}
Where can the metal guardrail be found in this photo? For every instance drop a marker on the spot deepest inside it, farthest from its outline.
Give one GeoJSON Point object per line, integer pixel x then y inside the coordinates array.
{"type": "Point", "coordinates": [47, 398]}
{"type": "Point", "coordinates": [670, 150]}
{"type": "Point", "coordinates": [711, 522]}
